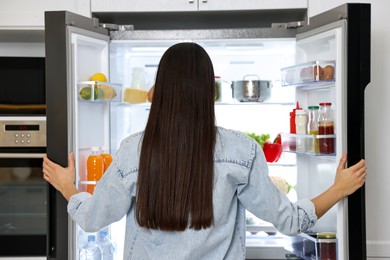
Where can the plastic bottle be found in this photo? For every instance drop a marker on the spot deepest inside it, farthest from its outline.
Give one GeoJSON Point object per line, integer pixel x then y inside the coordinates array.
{"type": "Point", "coordinates": [301, 128]}
{"type": "Point", "coordinates": [95, 169]}
{"type": "Point", "coordinates": [312, 144]}
{"type": "Point", "coordinates": [107, 158]}
{"type": "Point", "coordinates": [106, 245]}
{"type": "Point", "coordinates": [326, 127]}
{"type": "Point", "coordinates": [291, 142]}
{"type": "Point", "coordinates": [91, 251]}
{"type": "Point", "coordinates": [292, 119]}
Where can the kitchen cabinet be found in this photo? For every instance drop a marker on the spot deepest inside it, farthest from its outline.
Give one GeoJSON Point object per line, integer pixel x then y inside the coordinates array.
{"type": "Point", "coordinates": [192, 5]}
{"type": "Point", "coordinates": [29, 15]}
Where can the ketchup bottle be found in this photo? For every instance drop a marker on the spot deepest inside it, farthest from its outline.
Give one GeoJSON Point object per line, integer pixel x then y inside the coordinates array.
{"type": "Point", "coordinates": [293, 129]}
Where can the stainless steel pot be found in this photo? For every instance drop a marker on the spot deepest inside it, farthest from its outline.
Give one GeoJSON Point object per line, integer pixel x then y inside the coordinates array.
{"type": "Point", "coordinates": [247, 90]}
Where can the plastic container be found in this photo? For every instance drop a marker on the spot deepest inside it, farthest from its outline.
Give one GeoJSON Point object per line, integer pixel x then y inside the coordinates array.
{"type": "Point", "coordinates": [326, 127]}
{"type": "Point", "coordinates": [312, 144]}
{"type": "Point", "coordinates": [108, 248]}
{"type": "Point", "coordinates": [316, 72]}
{"type": "Point", "coordinates": [107, 158]}
{"type": "Point", "coordinates": [137, 92]}
{"type": "Point", "coordinates": [313, 246]}
{"type": "Point", "coordinates": [95, 169]}
{"type": "Point", "coordinates": [91, 251]}
{"type": "Point", "coordinates": [301, 128]}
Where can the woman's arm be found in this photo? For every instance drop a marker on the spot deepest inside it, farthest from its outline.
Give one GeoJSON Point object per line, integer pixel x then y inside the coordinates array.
{"type": "Point", "coordinates": [347, 181]}
{"type": "Point", "coordinates": [62, 179]}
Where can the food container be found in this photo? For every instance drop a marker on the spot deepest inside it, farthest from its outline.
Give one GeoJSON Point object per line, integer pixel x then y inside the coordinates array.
{"type": "Point", "coordinates": [251, 90]}
{"type": "Point", "coordinates": [314, 246]}
{"type": "Point", "coordinates": [310, 72]}
{"type": "Point", "coordinates": [97, 91]}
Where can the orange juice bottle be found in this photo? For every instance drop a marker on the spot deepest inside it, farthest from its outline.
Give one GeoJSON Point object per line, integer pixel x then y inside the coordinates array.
{"type": "Point", "coordinates": [107, 158]}
{"type": "Point", "coordinates": [95, 168]}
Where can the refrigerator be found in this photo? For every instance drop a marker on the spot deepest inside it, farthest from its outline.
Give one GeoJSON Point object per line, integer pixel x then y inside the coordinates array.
{"type": "Point", "coordinates": [77, 47]}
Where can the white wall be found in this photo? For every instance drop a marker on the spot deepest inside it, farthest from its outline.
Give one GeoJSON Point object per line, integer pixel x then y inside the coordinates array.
{"type": "Point", "coordinates": [377, 110]}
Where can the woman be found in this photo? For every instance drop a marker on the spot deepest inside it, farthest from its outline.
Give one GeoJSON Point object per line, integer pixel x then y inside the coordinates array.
{"type": "Point", "coordinates": [183, 183]}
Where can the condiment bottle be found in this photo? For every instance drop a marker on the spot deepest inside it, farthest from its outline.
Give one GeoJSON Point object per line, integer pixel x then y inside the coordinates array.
{"type": "Point", "coordinates": [312, 144]}
{"type": "Point", "coordinates": [292, 119]}
{"type": "Point", "coordinates": [301, 128]}
{"type": "Point", "coordinates": [326, 127]}
{"type": "Point", "coordinates": [95, 169]}
{"type": "Point", "coordinates": [107, 158]}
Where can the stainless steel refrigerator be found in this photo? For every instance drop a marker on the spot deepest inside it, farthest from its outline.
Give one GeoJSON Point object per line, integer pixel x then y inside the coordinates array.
{"type": "Point", "coordinates": [77, 47]}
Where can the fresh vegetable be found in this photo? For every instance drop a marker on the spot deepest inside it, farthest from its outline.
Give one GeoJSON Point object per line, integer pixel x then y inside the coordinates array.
{"type": "Point", "coordinates": [272, 151]}
{"type": "Point", "coordinates": [260, 139]}
{"type": "Point", "coordinates": [281, 184]}
{"type": "Point", "coordinates": [278, 139]}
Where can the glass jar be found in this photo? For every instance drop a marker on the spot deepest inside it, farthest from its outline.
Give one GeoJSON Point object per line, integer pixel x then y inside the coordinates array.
{"type": "Point", "coordinates": [327, 245]}
{"type": "Point", "coordinates": [326, 127]}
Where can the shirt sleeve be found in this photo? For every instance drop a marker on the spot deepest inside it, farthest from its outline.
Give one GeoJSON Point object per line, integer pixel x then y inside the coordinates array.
{"type": "Point", "coordinates": [109, 203]}
{"type": "Point", "coordinates": [263, 199]}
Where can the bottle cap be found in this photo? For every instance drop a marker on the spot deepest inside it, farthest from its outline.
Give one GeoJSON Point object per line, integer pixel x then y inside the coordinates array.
{"type": "Point", "coordinates": [300, 112]}
{"type": "Point", "coordinates": [91, 238]}
{"type": "Point", "coordinates": [104, 148]}
{"type": "Point", "coordinates": [95, 149]}
{"type": "Point", "coordinates": [327, 235]}
{"type": "Point", "coordinates": [325, 104]}
{"type": "Point", "coordinates": [313, 107]}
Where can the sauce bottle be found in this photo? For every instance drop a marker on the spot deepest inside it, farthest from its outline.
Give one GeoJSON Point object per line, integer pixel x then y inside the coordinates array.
{"type": "Point", "coordinates": [107, 158]}
{"type": "Point", "coordinates": [301, 128]}
{"type": "Point", "coordinates": [326, 127]}
{"type": "Point", "coordinates": [95, 169]}
{"type": "Point", "coordinates": [312, 144]}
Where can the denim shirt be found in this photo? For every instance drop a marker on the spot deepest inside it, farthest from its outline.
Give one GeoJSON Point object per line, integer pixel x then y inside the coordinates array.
{"type": "Point", "coordinates": [241, 182]}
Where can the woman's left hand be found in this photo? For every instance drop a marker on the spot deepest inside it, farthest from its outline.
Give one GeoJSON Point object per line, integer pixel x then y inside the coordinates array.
{"type": "Point", "coordinates": [62, 179]}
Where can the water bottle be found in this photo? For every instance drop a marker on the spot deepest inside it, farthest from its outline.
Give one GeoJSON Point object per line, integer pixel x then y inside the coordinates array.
{"type": "Point", "coordinates": [91, 251]}
{"type": "Point", "coordinates": [106, 245]}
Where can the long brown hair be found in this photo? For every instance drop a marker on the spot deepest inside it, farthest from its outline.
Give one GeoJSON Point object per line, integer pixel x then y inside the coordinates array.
{"type": "Point", "coordinates": [176, 169]}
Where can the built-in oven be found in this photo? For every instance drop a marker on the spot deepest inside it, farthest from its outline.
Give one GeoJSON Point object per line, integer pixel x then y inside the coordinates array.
{"type": "Point", "coordinates": [23, 192]}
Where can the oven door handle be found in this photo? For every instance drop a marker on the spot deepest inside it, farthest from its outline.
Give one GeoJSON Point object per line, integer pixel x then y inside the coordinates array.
{"type": "Point", "coordinates": [21, 155]}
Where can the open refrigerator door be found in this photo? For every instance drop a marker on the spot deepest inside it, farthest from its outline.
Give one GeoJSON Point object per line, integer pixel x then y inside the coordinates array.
{"type": "Point", "coordinates": [332, 69]}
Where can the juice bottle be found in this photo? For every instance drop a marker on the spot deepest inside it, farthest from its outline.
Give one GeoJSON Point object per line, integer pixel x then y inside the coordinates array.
{"type": "Point", "coordinates": [95, 168]}
{"type": "Point", "coordinates": [326, 127]}
{"type": "Point", "coordinates": [107, 158]}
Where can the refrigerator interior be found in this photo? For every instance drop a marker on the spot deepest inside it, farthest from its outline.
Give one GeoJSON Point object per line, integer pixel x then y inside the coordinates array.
{"type": "Point", "coordinates": [107, 123]}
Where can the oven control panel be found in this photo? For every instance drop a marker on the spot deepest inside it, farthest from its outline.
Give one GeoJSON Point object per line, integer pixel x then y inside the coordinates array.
{"type": "Point", "coordinates": [23, 131]}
